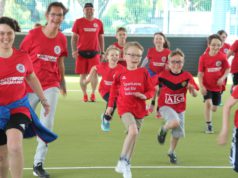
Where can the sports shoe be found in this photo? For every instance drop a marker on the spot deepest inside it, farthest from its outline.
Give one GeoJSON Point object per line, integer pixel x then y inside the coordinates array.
{"type": "Point", "coordinates": [209, 129]}
{"type": "Point", "coordinates": [39, 171]}
{"type": "Point", "coordinates": [124, 168]}
{"type": "Point", "coordinates": [92, 98]}
{"type": "Point", "coordinates": [105, 125]}
{"type": "Point", "coordinates": [172, 158]}
{"type": "Point", "coordinates": [85, 98]}
{"type": "Point", "coordinates": [151, 108]}
{"type": "Point", "coordinates": [158, 116]}
{"type": "Point", "coordinates": [162, 135]}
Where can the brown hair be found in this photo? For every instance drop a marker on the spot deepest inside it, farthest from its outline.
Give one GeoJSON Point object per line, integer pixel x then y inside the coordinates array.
{"type": "Point", "coordinates": [134, 44]}
{"type": "Point", "coordinates": [121, 29]}
{"type": "Point", "coordinates": [176, 52]}
{"type": "Point", "coordinates": [213, 36]}
{"type": "Point", "coordinates": [166, 42]}
{"type": "Point", "coordinates": [57, 4]}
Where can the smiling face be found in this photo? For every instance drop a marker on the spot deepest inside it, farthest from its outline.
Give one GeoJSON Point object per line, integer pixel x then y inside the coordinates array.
{"type": "Point", "coordinates": [121, 36]}
{"type": "Point", "coordinates": [214, 46]}
{"type": "Point", "coordinates": [159, 41]}
{"type": "Point", "coordinates": [113, 56]}
{"type": "Point", "coordinates": [133, 57]}
{"type": "Point", "coordinates": [88, 12]}
{"type": "Point", "coordinates": [7, 36]}
{"type": "Point", "coordinates": [55, 17]}
{"type": "Point", "coordinates": [175, 63]}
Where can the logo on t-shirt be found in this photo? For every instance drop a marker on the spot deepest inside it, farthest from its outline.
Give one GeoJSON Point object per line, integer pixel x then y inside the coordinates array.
{"type": "Point", "coordinates": [95, 25]}
{"type": "Point", "coordinates": [218, 63]}
{"type": "Point", "coordinates": [174, 98]}
{"type": "Point", "coordinates": [57, 50]}
{"type": "Point", "coordinates": [123, 77]}
{"type": "Point", "coordinates": [163, 59]}
{"type": "Point", "coordinates": [20, 68]}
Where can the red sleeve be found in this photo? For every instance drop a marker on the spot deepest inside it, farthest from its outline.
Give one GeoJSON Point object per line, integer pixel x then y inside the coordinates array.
{"type": "Point", "coordinates": [234, 46]}
{"type": "Point", "coordinates": [149, 86]}
{"type": "Point", "coordinates": [99, 69]}
{"type": "Point", "coordinates": [101, 29]}
{"type": "Point", "coordinates": [27, 43]}
{"type": "Point", "coordinates": [114, 90]}
{"type": "Point", "coordinates": [201, 64]}
{"type": "Point", "coordinates": [29, 66]}
{"type": "Point", "coordinates": [75, 27]}
{"type": "Point", "coordinates": [192, 82]}
{"type": "Point", "coordinates": [65, 50]}
{"type": "Point", "coordinates": [235, 92]}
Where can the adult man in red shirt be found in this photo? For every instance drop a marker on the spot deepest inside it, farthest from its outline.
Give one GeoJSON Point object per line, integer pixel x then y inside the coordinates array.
{"type": "Point", "coordinates": [87, 43]}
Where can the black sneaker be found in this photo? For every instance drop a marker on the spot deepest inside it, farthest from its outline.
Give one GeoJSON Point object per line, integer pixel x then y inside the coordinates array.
{"type": "Point", "coordinates": [161, 136]}
{"type": "Point", "coordinates": [209, 129]}
{"type": "Point", "coordinates": [172, 157]}
{"type": "Point", "coordinates": [39, 171]}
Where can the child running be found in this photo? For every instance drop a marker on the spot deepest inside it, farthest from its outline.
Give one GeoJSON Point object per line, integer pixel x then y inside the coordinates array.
{"type": "Point", "coordinates": [156, 61]}
{"type": "Point", "coordinates": [174, 84]}
{"type": "Point", "coordinates": [107, 70]}
{"type": "Point", "coordinates": [121, 36]}
{"type": "Point", "coordinates": [212, 71]}
{"type": "Point", "coordinates": [223, 136]}
{"type": "Point", "coordinates": [131, 88]}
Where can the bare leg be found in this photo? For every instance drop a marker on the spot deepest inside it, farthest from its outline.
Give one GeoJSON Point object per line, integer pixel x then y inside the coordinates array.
{"type": "Point", "coordinates": [82, 85]}
{"type": "Point", "coordinates": [94, 83]}
{"type": "Point", "coordinates": [3, 161]}
{"type": "Point", "coordinates": [15, 152]}
{"type": "Point", "coordinates": [173, 144]}
{"type": "Point", "coordinates": [208, 110]}
{"type": "Point", "coordinates": [129, 142]}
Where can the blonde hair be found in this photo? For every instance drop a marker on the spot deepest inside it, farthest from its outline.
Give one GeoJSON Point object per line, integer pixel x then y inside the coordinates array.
{"type": "Point", "coordinates": [133, 44]}
{"type": "Point", "coordinates": [176, 52]}
{"type": "Point", "coordinates": [110, 48]}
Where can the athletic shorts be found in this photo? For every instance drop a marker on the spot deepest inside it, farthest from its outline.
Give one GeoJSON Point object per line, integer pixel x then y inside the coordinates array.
{"type": "Point", "coordinates": [84, 65]}
{"type": "Point", "coordinates": [214, 96]}
{"type": "Point", "coordinates": [17, 121]}
{"type": "Point", "coordinates": [234, 150]}
{"type": "Point", "coordinates": [169, 114]}
{"type": "Point", "coordinates": [235, 78]}
{"type": "Point", "coordinates": [128, 119]}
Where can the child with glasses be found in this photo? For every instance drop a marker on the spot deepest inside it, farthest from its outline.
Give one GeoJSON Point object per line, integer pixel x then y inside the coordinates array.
{"type": "Point", "coordinates": [173, 85]}
{"type": "Point", "coordinates": [212, 71]}
{"type": "Point", "coordinates": [131, 88]}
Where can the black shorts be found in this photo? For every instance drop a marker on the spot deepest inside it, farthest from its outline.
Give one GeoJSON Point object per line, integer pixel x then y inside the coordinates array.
{"type": "Point", "coordinates": [17, 121]}
{"type": "Point", "coordinates": [235, 79]}
{"type": "Point", "coordinates": [214, 96]}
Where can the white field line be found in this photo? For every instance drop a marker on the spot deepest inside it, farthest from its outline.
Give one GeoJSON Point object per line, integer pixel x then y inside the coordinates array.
{"type": "Point", "coordinates": [137, 167]}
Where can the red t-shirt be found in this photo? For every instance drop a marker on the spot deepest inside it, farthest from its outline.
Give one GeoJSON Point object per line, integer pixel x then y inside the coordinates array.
{"type": "Point", "coordinates": [107, 76]}
{"type": "Point", "coordinates": [44, 53]}
{"type": "Point", "coordinates": [122, 60]}
{"type": "Point", "coordinates": [234, 66]}
{"type": "Point", "coordinates": [13, 71]}
{"type": "Point", "coordinates": [125, 84]}
{"type": "Point", "coordinates": [213, 68]}
{"type": "Point", "coordinates": [157, 60]}
{"type": "Point", "coordinates": [173, 89]}
{"type": "Point", "coordinates": [235, 95]}
{"type": "Point", "coordinates": [88, 32]}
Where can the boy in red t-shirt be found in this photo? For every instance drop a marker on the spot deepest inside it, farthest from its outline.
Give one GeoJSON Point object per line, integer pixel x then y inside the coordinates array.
{"type": "Point", "coordinates": [223, 136]}
{"type": "Point", "coordinates": [174, 84]}
{"type": "Point", "coordinates": [131, 88]}
{"type": "Point", "coordinates": [212, 71]}
{"type": "Point", "coordinates": [107, 70]}
{"type": "Point", "coordinates": [121, 36]}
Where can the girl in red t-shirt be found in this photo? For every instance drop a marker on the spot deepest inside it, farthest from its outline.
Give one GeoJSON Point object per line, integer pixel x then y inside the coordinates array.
{"type": "Point", "coordinates": [107, 70]}
{"type": "Point", "coordinates": [156, 61]}
{"type": "Point", "coordinates": [15, 69]}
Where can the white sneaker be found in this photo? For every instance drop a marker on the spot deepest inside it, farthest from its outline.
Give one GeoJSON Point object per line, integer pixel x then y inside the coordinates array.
{"type": "Point", "coordinates": [127, 171]}
{"type": "Point", "coordinates": [120, 166]}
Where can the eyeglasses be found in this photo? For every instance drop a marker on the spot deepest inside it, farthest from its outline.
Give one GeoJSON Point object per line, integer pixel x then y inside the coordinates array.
{"type": "Point", "coordinates": [134, 55]}
{"type": "Point", "coordinates": [176, 62]}
{"type": "Point", "coordinates": [54, 15]}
